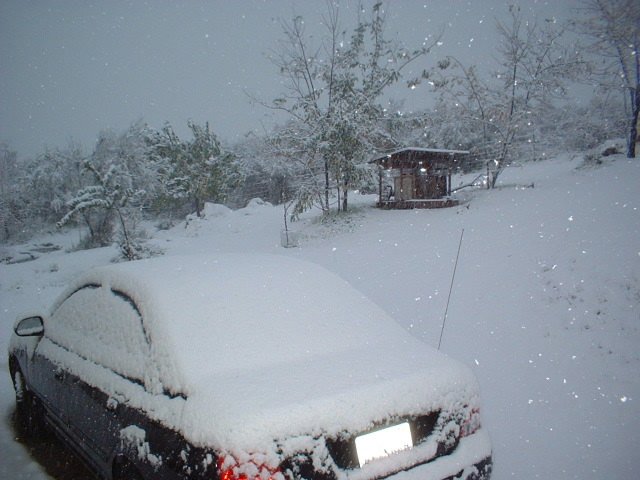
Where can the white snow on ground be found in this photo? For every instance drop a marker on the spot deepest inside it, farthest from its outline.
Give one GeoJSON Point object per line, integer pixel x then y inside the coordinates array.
{"type": "Point", "coordinates": [545, 306]}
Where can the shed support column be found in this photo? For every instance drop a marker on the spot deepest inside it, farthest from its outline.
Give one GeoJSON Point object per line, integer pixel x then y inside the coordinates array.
{"type": "Point", "coordinates": [379, 185]}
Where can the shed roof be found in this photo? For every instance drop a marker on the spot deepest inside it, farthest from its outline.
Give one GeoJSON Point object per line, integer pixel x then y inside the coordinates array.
{"type": "Point", "coordinates": [436, 151]}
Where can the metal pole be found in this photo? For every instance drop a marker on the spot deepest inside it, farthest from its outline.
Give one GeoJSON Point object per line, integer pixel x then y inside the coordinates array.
{"type": "Point", "coordinates": [453, 276]}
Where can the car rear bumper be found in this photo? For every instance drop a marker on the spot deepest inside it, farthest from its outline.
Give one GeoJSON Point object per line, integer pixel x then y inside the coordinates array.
{"type": "Point", "coordinates": [471, 460]}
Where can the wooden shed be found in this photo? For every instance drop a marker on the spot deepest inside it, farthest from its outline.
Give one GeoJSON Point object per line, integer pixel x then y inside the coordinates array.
{"type": "Point", "coordinates": [416, 178]}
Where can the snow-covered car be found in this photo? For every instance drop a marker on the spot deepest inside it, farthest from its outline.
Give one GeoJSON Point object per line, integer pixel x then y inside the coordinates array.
{"type": "Point", "coordinates": [242, 367]}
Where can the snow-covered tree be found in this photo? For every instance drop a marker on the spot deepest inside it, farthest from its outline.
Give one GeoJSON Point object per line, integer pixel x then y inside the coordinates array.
{"type": "Point", "coordinates": [50, 180]}
{"type": "Point", "coordinates": [103, 202]}
{"type": "Point", "coordinates": [198, 170]}
{"type": "Point", "coordinates": [13, 202]}
{"type": "Point", "coordinates": [333, 91]}
{"type": "Point", "coordinates": [118, 181]}
{"type": "Point", "coordinates": [297, 154]}
{"type": "Point", "coordinates": [133, 151]}
{"type": "Point", "coordinates": [613, 27]}
{"type": "Point", "coordinates": [34, 191]}
{"type": "Point", "coordinates": [265, 174]}
{"type": "Point", "coordinates": [534, 68]}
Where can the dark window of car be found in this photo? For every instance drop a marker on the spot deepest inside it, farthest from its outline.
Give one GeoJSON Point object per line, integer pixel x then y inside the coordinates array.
{"type": "Point", "coordinates": [103, 326]}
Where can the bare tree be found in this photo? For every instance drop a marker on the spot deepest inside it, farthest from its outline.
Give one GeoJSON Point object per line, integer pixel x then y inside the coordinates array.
{"type": "Point", "coordinates": [613, 27]}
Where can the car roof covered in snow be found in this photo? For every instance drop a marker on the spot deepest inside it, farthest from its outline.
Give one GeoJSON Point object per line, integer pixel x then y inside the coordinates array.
{"type": "Point", "coordinates": [218, 314]}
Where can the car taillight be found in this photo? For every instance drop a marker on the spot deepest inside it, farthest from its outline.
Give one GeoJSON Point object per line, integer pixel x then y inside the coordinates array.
{"type": "Point", "coordinates": [471, 424]}
{"type": "Point", "coordinates": [253, 469]}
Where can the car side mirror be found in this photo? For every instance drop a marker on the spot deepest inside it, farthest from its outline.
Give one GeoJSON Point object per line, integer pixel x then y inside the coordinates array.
{"type": "Point", "coordinates": [30, 327]}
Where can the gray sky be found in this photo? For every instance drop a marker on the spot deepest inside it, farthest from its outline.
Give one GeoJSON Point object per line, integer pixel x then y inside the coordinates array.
{"type": "Point", "coordinates": [71, 68]}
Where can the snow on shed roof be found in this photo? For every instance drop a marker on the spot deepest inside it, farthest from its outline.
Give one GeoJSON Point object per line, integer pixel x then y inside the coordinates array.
{"type": "Point", "coordinates": [419, 149]}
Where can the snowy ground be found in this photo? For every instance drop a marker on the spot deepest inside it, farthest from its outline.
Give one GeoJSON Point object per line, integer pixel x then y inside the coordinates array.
{"type": "Point", "coordinates": [545, 305]}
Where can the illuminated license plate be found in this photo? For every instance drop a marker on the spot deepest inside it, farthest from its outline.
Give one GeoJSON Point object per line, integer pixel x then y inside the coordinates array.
{"type": "Point", "coordinates": [383, 443]}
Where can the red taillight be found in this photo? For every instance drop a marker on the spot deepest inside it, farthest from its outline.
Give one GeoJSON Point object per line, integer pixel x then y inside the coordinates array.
{"type": "Point", "coordinates": [225, 474]}
{"type": "Point", "coordinates": [253, 469]}
{"type": "Point", "coordinates": [471, 424]}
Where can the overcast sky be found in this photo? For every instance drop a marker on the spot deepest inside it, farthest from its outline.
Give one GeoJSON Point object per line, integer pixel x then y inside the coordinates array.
{"type": "Point", "coordinates": [71, 68]}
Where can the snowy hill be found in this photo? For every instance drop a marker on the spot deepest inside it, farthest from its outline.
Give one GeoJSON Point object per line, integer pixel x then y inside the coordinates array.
{"type": "Point", "coordinates": [545, 305]}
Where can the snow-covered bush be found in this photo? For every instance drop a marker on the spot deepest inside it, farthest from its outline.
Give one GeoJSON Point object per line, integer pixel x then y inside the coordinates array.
{"type": "Point", "coordinates": [136, 249]}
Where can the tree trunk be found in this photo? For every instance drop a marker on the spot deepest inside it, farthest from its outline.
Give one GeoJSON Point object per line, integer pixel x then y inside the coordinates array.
{"type": "Point", "coordinates": [325, 209]}
{"type": "Point", "coordinates": [633, 127]}
{"type": "Point", "coordinates": [127, 246]}
{"type": "Point", "coordinates": [87, 220]}
{"type": "Point", "coordinates": [345, 198]}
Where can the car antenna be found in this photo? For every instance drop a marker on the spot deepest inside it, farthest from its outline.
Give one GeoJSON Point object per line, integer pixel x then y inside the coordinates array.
{"type": "Point", "coordinates": [453, 276]}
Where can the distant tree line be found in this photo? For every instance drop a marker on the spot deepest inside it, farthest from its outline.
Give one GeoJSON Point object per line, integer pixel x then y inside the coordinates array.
{"type": "Point", "coordinates": [523, 109]}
